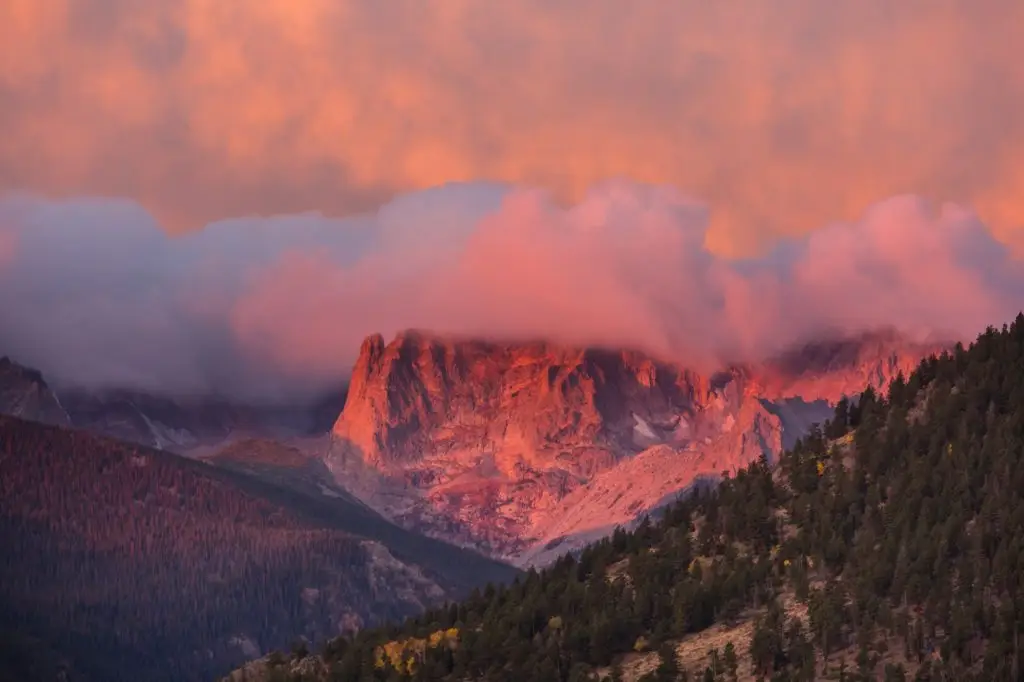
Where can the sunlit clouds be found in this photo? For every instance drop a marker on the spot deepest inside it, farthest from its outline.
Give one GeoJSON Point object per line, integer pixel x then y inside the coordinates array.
{"type": "Point", "coordinates": [94, 293]}
{"type": "Point", "coordinates": [782, 116]}
{"type": "Point", "coordinates": [225, 195]}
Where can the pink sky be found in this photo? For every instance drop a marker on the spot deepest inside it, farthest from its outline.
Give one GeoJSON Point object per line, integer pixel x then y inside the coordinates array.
{"type": "Point", "coordinates": [782, 115]}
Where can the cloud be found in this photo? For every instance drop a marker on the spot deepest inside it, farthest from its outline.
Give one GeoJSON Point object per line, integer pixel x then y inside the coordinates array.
{"type": "Point", "coordinates": [97, 294]}
{"type": "Point", "coordinates": [8, 248]}
{"type": "Point", "coordinates": [782, 115]}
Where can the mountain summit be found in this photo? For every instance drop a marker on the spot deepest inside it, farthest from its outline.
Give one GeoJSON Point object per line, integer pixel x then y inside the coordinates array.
{"type": "Point", "coordinates": [529, 449]}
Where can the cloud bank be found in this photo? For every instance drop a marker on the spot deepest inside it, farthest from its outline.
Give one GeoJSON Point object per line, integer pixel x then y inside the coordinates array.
{"type": "Point", "coordinates": [783, 115]}
{"type": "Point", "coordinates": [93, 292]}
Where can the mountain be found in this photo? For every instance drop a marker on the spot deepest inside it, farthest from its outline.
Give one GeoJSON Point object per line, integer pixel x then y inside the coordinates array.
{"type": "Point", "coordinates": [884, 545]}
{"type": "Point", "coordinates": [183, 424]}
{"type": "Point", "coordinates": [123, 562]}
{"type": "Point", "coordinates": [527, 450]}
{"type": "Point", "coordinates": [284, 465]}
{"type": "Point", "coordinates": [190, 424]}
{"type": "Point", "coordinates": [521, 450]}
{"type": "Point", "coordinates": [24, 393]}
{"type": "Point", "coordinates": [827, 369]}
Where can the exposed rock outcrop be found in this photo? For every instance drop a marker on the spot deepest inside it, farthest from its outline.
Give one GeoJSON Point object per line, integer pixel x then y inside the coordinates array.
{"type": "Point", "coordinates": [529, 449]}
{"type": "Point", "coordinates": [24, 394]}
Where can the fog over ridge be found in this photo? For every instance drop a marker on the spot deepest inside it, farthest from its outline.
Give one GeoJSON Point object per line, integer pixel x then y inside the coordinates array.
{"type": "Point", "coordinates": [783, 115]}
{"type": "Point", "coordinates": [93, 293]}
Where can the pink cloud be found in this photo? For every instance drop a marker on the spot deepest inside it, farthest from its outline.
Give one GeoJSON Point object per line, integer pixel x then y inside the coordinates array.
{"type": "Point", "coordinates": [782, 115]}
{"type": "Point", "coordinates": [95, 293]}
{"type": "Point", "coordinates": [628, 267]}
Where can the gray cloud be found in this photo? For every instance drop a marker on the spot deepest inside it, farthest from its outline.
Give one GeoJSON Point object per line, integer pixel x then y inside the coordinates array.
{"type": "Point", "coordinates": [94, 293]}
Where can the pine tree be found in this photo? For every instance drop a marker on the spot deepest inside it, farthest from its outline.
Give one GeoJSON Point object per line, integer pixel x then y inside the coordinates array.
{"type": "Point", "coordinates": [668, 669]}
{"type": "Point", "coordinates": [731, 661]}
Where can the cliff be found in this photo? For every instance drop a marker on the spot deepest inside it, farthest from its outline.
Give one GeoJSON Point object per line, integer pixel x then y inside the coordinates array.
{"type": "Point", "coordinates": [528, 449]}
{"type": "Point", "coordinates": [24, 393]}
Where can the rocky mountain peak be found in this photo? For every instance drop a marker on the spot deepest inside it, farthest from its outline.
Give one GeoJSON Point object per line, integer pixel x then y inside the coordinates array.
{"type": "Point", "coordinates": [830, 368]}
{"type": "Point", "coordinates": [371, 350]}
{"type": "Point", "coordinates": [421, 388]}
{"type": "Point", "coordinates": [515, 447]}
{"type": "Point", "coordinates": [178, 423]}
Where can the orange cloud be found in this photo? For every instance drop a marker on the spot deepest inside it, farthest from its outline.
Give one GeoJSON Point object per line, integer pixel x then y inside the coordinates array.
{"type": "Point", "coordinates": [627, 266]}
{"type": "Point", "coordinates": [782, 115]}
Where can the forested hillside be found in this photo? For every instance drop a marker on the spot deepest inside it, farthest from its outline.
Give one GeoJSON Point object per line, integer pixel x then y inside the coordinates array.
{"type": "Point", "coordinates": [886, 545]}
{"type": "Point", "coordinates": [123, 563]}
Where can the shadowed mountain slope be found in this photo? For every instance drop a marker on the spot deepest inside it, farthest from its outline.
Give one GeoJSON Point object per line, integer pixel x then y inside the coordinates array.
{"type": "Point", "coordinates": [135, 563]}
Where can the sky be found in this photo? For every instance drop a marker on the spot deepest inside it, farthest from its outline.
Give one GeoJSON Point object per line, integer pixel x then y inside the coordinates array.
{"type": "Point", "coordinates": [226, 195]}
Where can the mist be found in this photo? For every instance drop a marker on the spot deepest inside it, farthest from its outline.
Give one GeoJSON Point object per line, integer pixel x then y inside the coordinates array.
{"type": "Point", "coordinates": [95, 294]}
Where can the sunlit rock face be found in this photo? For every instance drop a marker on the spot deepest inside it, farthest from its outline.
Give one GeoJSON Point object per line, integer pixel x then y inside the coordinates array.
{"type": "Point", "coordinates": [527, 450]}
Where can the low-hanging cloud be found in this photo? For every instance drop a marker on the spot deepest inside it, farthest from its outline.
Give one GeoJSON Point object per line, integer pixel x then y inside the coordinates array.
{"type": "Point", "coordinates": [94, 293]}
{"type": "Point", "coordinates": [783, 114]}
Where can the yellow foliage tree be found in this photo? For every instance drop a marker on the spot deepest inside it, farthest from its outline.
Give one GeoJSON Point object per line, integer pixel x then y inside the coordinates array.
{"type": "Point", "coordinates": [404, 655]}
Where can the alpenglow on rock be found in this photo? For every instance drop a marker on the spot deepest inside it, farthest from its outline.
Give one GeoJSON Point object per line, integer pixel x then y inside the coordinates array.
{"type": "Point", "coordinates": [527, 450]}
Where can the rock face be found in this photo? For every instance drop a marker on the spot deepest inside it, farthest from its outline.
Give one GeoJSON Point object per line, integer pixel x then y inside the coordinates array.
{"type": "Point", "coordinates": [526, 450]}
{"type": "Point", "coordinates": [827, 370]}
{"type": "Point", "coordinates": [422, 395]}
{"type": "Point", "coordinates": [23, 393]}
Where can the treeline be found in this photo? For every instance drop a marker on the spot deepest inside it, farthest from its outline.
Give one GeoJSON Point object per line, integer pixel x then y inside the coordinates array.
{"type": "Point", "coordinates": [898, 525]}
{"type": "Point", "coordinates": [136, 564]}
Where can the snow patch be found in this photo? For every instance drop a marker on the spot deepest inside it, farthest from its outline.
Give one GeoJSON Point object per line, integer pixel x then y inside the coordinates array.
{"type": "Point", "coordinates": [643, 428]}
{"type": "Point", "coordinates": [324, 490]}
{"type": "Point", "coordinates": [67, 415]}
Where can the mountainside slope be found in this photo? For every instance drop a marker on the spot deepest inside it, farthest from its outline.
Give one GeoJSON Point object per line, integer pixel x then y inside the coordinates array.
{"type": "Point", "coordinates": [280, 463]}
{"type": "Point", "coordinates": [134, 563]}
{"type": "Point", "coordinates": [885, 545]}
{"type": "Point", "coordinates": [528, 449]}
{"type": "Point", "coordinates": [24, 393]}
{"type": "Point", "coordinates": [288, 476]}
{"type": "Point", "coordinates": [189, 425]}
{"type": "Point", "coordinates": [182, 424]}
